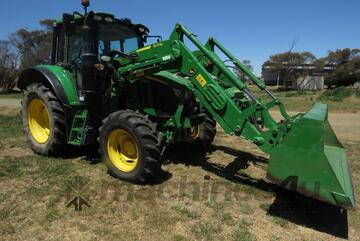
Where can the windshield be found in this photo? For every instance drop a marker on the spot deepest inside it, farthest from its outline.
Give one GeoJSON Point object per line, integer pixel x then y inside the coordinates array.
{"type": "Point", "coordinates": [115, 36]}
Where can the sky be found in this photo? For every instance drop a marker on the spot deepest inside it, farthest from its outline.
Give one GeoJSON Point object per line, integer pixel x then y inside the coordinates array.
{"type": "Point", "coordinates": [251, 30]}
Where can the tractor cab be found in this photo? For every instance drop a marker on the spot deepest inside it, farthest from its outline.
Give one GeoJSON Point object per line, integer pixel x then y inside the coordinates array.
{"type": "Point", "coordinates": [85, 44]}
{"type": "Point", "coordinates": [107, 34]}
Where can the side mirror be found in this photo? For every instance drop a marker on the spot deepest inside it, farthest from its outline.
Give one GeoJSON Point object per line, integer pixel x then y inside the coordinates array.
{"type": "Point", "coordinates": [158, 38]}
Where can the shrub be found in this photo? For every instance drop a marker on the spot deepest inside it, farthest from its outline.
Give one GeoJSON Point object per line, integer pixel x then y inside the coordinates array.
{"type": "Point", "coordinates": [339, 94]}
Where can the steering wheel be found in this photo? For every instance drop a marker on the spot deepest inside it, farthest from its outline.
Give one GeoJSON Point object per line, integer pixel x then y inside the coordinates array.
{"type": "Point", "coordinates": [131, 56]}
{"type": "Point", "coordinates": [115, 53]}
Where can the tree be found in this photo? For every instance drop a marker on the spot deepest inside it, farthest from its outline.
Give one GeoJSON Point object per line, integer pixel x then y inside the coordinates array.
{"type": "Point", "coordinates": [23, 49]}
{"type": "Point", "coordinates": [34, 46]}
{"type": "Point", "coordinates": [8, 66]}
{"type": "Point", "coordinates": [346, 64]}
{"type": "Point", "coordinates": [240, 74]}
{"type": "Point", "coordinates": [248, 65]}
{"type": "Point", "coordinates": [290, 65]}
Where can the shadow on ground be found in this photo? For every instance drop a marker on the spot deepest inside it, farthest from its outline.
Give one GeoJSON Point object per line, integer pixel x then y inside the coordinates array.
{"type": "Point", "coordinates": [311, 213]}
{"type": "Point", "coordinates": [291, 206]}
{"type": "Point", "coordinates": [288, 205]}
{"type": "Point", "coordinates": [91, 154]}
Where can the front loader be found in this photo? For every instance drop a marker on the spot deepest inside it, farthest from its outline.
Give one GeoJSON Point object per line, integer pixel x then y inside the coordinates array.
{"type": "Point", "coordinates": [106, 86]}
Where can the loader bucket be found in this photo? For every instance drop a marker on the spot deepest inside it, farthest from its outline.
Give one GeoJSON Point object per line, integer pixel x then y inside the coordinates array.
{"type": "Point", "coordinates": [310, 160]}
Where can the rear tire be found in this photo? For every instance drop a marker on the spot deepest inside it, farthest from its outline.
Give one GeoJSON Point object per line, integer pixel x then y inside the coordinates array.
{"type": "Point", "coordinates": [130, 146]}
{"type": "Point", "coordinates": [43, 120]}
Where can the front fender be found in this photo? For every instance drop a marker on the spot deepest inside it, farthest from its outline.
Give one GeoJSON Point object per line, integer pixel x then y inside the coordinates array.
{"type": "Point", "coordinates": [55, 77]}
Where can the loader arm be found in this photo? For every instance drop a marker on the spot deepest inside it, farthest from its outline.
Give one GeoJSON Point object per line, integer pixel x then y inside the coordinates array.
{"type": "Point", "coordinates": [305, 155]}
{"type": "Point", "coordinates": [222, 103]}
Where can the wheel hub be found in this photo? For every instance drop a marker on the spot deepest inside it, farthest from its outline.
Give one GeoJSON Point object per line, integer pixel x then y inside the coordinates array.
{"type": "Point", "coordinates": [122, 150]}
{"type": "Point", "coordinates": [38, 121]}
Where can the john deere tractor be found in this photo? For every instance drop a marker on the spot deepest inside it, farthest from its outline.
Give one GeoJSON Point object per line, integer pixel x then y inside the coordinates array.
{"type": "Point", "coordinates": [105, 85]}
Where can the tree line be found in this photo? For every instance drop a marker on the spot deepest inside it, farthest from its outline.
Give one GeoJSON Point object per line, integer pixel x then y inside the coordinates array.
{"type": "Point", "coordinates": [25, 48]}
{"type": "Point", "coordinates": [22, 49]}
{"type": "Point", "coordinates": [340, 67]}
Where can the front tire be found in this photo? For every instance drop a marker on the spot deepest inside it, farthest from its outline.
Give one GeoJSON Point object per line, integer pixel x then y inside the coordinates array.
{"type": "Point", "coordinates": [130, 146]}
{"type": "Point", "coordinates": [43, 120]}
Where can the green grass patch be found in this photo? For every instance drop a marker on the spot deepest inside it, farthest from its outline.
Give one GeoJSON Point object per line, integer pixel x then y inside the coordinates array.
{"type": "Point", "coordinates": [4, 197]}
{"type": "Point", "coordinates": [7, 212]}
{"type": "Point", "coordinates": [246, 209]}
{"type": "Point", "coordinates": [339, 94]}
{"type": "Point", "coordinates": [56, 167]}
{"type": "Point", "coordinates": [275, 238]}
{"type": "Point", "coordinates": [219, 212]}
{"type": "Point", "coordinates": [160, 220]}
{"type": "Point", "coordinates": [53, 214]}
{"type": "Point", "coordinates": [303, 100]}
{"type": "Point", "coordinates": [16, 95]}
{"type": "Point", "coordinates": [10, 126]}
{"type": "Point", "coordinates": [298, 93]}
{"type": "Point", "coordinates": [178, 237]}
{"type": "Point", "coordinates": [36, 166]}
{"type": "Point", "coordinates": [264, 206]}
{"type": "Point", "coordinates": [280, 221]}
{"type": "Point", "coordinates": [246, 222]}
{"type": "Point", "coordinates": [206, 230]}
{"type": "Point", "coordinates": [11, 133]}
{"type": "Point", "coordinates": [243, 234]}
{"type": "Point", "coordinates": [13, 167]}
{"type": "Point", "coordinates": [7, 229]}
{"type": "Point", "coordinates": [184, 211]}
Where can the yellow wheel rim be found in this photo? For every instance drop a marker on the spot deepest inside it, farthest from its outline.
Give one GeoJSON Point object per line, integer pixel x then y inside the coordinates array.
{"type": "Point", "coordinates": [122, 150]}
{"type": "Point", "coordinates": [38, 121]}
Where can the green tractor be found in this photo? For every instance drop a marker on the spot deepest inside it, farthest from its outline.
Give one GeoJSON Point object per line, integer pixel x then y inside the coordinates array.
{"type": "Point", "coordinates": [105, 85]}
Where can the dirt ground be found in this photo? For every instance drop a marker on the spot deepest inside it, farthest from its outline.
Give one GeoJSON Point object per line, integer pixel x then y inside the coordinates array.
{"type": "Point", "coordinates": [225, 195]}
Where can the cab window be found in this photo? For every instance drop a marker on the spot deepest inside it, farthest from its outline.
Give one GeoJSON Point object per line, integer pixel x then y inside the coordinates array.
{"type": "Point", "coordinates": [130, 44]}
{"type": "Point", "coordinates": [75, 46]}
{"type": "Point", "coordinates": [116, 36]}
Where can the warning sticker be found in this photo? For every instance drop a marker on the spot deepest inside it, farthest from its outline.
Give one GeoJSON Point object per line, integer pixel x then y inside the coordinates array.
{"type": "Point", "coordinates": [201, 80]}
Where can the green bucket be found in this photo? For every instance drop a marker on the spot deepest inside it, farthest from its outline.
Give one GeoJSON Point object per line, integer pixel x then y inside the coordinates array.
{"type": "Point", "coordinates": [311, 160]}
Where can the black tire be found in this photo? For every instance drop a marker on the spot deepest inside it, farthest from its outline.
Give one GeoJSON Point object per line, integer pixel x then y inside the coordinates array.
{"type": "Point", "coordinates": [207, 131]}
{"type": "Point", "coordinates": [147, 140]}
{"type": "Point", "coordinates": [205, 136]}
{"type": "Point", "coordinates": [56, 141]}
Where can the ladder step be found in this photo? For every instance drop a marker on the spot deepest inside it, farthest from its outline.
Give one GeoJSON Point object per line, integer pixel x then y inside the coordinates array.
{"type": "Point", "coordinates": [78, 128]}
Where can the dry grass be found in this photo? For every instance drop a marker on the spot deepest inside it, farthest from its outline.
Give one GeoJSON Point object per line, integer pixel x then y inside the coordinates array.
{"type": "Point", "coordinates": [221, 195]}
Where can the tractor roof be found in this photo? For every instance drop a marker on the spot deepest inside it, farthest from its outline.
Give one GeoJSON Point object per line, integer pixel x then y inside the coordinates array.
{"type": "Point", "coordinates": [106, 17]}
